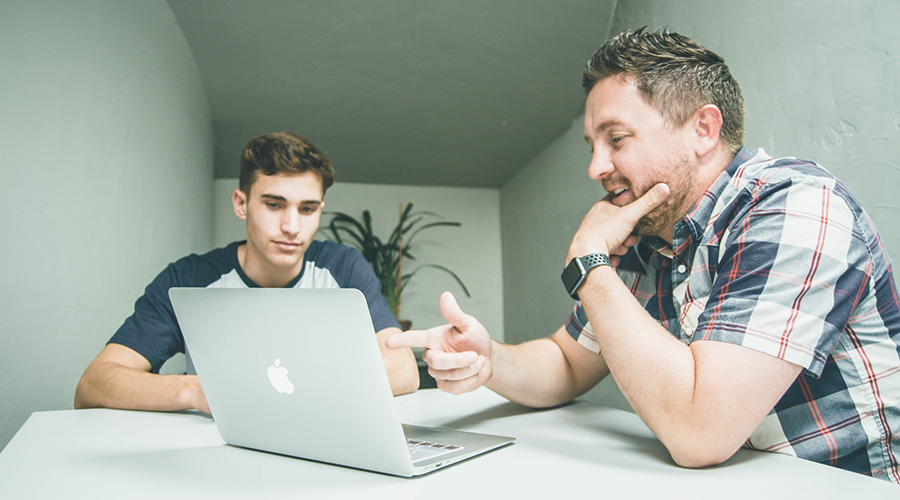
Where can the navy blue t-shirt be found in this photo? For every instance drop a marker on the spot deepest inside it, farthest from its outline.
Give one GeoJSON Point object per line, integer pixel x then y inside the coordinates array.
{"type": "Point", "coordinates": [153, 331]}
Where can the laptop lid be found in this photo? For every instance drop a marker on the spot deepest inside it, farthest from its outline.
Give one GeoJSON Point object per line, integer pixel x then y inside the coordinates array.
{"type": "Point", "coordinates": [299, 372]}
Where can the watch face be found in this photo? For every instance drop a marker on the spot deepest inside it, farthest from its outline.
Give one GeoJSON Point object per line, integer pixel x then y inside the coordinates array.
{"type": "Point", "coordinates": [572, 275]}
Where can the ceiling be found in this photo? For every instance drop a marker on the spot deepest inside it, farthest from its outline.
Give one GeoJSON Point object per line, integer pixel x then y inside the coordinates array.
{"type": "Point", "coordinates": [420, 92]}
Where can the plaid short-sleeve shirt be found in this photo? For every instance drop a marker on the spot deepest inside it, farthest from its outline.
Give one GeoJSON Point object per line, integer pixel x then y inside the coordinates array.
{"type": "Point", "coordinates": [778, 256]}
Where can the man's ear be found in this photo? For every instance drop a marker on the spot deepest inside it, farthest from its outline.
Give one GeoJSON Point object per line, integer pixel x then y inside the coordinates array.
{"type": "Point", "coordinates": [239, 200]}
{"type": "Point", "coordinates": [707, 125]}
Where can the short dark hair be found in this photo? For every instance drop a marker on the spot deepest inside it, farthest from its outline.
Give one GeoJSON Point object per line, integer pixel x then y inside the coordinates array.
{"type": "Point", "coordinates": [283, 153]}
{"type": "Point", "coordinates": [675, 75]}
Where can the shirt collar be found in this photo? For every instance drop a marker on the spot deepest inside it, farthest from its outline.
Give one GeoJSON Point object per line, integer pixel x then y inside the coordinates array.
{"type": "Point", "coordinates": [698, 217]}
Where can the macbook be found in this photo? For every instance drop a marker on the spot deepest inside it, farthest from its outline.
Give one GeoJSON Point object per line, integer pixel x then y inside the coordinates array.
{"type": "Point", "coordinates": [299, 372]}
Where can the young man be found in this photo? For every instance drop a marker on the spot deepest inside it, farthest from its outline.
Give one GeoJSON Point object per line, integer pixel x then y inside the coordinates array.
{"type": "Point", "coordinates": [736, 299]}
{"type": "Point", "coordinates": [282, 185]}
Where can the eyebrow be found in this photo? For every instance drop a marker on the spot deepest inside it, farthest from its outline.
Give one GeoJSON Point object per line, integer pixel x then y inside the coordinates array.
{"type": "Point", "coordinates": [275, 197]}
{"type": "Point", "coordinates": [608, 124]}
{"type": "Point", "coordinates": [604, 126]}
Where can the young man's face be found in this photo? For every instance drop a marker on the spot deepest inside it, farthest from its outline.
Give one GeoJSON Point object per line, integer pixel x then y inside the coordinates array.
{"type": "Point", "coordinates": [633, 149]}
{"type": "Point", "coordinates": [282, 214]}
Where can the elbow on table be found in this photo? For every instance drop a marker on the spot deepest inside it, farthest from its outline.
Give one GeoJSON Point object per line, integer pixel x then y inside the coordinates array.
{"type": "Point", "coordinates": [90, 392]}
{"type": "Point", "coordinates": [81, 400]}
{"type": "Point", "coordinates": [538, 401]}
{"type": "Point", "coordinates": [696, 456]}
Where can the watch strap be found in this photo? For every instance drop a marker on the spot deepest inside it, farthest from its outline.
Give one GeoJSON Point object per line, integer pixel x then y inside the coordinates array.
{"type": "Point", "coordinates": [576, 271]}
{"type": "Point", "coordinates": [593, 260]}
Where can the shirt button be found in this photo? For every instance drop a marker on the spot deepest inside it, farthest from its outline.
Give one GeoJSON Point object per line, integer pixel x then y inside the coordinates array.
{"type": "Point", "coordinates": [682, 268]}
{"type": "Point", "coordinates": [688, 331]}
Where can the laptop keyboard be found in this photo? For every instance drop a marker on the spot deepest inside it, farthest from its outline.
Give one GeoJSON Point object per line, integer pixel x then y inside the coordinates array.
{"type": "Point", "coordinates": [420, 450]}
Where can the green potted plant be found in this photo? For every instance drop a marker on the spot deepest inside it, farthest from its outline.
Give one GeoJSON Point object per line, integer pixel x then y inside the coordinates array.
{"type": "Point", "coordinates": [386, 256]}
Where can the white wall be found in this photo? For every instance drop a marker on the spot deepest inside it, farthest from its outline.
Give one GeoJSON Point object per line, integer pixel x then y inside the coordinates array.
{"type": "Point", "coordinates": [820, 80]}
{"type": "Point", "coordinates": [472, 251]}
{"type": "Point", "coordinates": [107, 167]}
{"type": "Point", "coordinates": [541, 208]}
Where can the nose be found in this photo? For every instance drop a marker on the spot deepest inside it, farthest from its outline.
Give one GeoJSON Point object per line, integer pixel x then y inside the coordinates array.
{"type": "Point", "coordinates": [601, 164]}
{"type": "Point", "coordinates": [290, 223]}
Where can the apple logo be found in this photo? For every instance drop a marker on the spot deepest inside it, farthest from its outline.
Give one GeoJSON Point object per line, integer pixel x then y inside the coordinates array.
{"type": "Point", "coordinates": [278, 376]}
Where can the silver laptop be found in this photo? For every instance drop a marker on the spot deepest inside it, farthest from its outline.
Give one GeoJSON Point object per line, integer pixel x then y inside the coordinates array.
{"type": "Point", "coordinates": [298, 372]}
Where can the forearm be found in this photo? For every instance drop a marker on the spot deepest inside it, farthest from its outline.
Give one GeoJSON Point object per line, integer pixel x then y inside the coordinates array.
{"type": "Point", "coordinates": [662, 378]}
{"type": "Point", "coordinates": [534, 374]}
{"type": "Point", "coordinates": [403, 374]}
{"type": "Point", "coordinates": [112, 385]}
{"type": "Point", "coordinates": [400, 364]}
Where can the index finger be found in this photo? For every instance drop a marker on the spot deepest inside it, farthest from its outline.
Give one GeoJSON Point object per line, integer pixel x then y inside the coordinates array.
{"type": "Point", "coordinates": [415, 338]}
{"type": "Point", "coordinates": [653, 198]}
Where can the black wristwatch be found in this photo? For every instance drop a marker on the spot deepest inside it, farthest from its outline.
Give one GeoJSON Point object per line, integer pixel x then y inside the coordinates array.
{"type": "Point", "coordinates": [575, 273]}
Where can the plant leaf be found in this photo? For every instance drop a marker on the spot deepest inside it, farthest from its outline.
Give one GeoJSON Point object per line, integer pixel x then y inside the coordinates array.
{"type": "Point", "coordinates": [384, 256]}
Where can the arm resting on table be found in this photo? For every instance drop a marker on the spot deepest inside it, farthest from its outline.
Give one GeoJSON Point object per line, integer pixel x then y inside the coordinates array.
{"type": "Point", "coordinates": [119, 377]}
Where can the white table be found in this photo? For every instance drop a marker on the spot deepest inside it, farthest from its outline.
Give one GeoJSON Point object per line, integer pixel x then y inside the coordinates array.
{"type": "Point", "coordinates": [581, 450]}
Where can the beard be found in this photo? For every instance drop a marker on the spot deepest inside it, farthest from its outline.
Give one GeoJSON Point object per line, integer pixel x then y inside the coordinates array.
{"type": "Point", "coordinates": [679, 175]}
